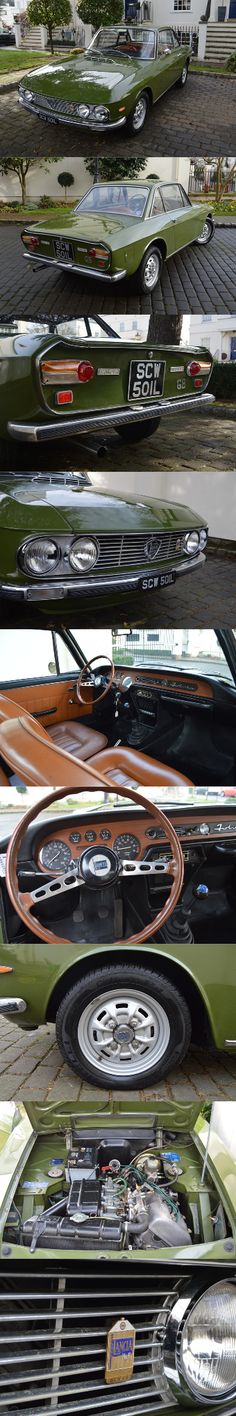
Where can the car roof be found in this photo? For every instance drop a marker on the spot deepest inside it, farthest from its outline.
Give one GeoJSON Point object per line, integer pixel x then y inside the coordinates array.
{"type": "Point", "coordinates": [136, 182]}
{"type": "Point", "coordinates": [143, 25]}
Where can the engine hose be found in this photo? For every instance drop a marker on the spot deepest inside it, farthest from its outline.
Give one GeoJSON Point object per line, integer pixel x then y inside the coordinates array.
{"type": "Point", "coordinates": [137, 1226]}
{"type": "Point", "coordinates": [158, 1189]}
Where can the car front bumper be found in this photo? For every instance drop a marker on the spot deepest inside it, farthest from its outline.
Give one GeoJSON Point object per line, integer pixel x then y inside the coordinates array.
{"type": "Point", "coordinates": [72, 589]}
{"type": "Point", "coordinates": [74, 122]}
{"type": "Point", "coordinates": [77, 269]}
{"type": "Point", "coordinates": [103, 422]}
{"type": "Point", "coordinates": [13, 1005]}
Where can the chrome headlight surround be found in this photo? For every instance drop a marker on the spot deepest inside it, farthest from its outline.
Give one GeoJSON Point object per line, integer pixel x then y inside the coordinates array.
{"type": "Point", "coordinates": [182, 1389]}
{"type": "Point", "coordinates": [35, 552]}
{"type": "Point", "coordinates": [83, 554]}
{"type": "Point", "coordinates": [101, 113]}
{"type": "Point", "coordinates": [26, 93]}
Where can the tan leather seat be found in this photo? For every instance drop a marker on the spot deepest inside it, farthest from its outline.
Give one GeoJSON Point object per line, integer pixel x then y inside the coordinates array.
{"type": "Point", "coordinates": [76, 738]}
{"type": "Point", "coordinates": [28, 750]}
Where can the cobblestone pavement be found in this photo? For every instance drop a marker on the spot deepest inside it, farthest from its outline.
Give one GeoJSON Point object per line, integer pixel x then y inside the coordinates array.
{"type": "Point", "coordinates": [201, 119]}
{"type": "Point", "coordinates": [200, 441]}
{"type": "Point", "coordinates": [206, 597]}
{"type": "Point", "coordinates": [31, 1067]}
{"type": "Point", "coordinates": [197, 280]}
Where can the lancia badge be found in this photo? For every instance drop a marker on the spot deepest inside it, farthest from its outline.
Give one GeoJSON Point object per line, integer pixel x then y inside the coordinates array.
{"type": "Point", "coordinates": [120, 1352]}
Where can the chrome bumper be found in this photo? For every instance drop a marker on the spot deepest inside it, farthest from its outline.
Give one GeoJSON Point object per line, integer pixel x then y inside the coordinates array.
{"type": "Point", "coordinates": [102, 422]}
{"type": "Point", "coordinates": [13, 1005]}
{"type": "Point", "coordinates": [63, 590]}
{"type": "Point", "coordinates": [71, 122]}
{"type": "Point", "coordinates": [78, 270]}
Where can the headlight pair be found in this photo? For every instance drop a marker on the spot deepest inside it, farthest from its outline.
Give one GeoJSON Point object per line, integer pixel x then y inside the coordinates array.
{"type": "Point", "coordinates": [41, 556]}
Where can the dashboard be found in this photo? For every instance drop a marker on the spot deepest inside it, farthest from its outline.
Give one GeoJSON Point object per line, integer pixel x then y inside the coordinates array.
{"type": "Point", "coordinates": [131, 836]}
{"type": "Point", "coordinates": [174, 685]}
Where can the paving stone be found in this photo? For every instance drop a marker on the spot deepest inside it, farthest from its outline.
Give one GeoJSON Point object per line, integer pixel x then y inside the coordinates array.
{"type": "Point", "coordinates": [200, 119]}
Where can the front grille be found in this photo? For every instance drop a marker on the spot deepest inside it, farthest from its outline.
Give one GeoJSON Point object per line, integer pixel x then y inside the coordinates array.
{"type": "Point", "coordinates": [117, 552]}
{"type": "Point", "coordinates": [53, 1333]}
{"type": "Point", "coordinates": [56, 105]}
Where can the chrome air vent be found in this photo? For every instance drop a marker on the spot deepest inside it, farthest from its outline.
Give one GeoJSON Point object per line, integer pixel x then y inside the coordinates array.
{"type": "Point", "coordinates": [53, 1334]}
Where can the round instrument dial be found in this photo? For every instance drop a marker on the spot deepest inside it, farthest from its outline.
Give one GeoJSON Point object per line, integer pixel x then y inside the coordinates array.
{"type": "Point", "coordinates": [127, 846]}
{"type": "Point", "coordinates": [55, 857]}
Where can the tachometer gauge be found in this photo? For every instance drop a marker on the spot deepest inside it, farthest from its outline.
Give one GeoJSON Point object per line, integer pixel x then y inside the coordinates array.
{"type": "Point", "coordinates": [55, 856]}
{"type": "Point", "coordinates": [127, 846]}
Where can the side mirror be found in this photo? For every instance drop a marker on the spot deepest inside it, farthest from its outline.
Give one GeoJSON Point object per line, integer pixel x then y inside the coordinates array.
{"type": "Point", "coordinates": [52, 668]}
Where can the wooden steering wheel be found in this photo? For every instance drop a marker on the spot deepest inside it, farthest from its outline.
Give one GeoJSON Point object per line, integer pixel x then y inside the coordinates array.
{"type": "Point", "coordinates": [97, 866]}
{"type": "Point", "coordinates": [88, 679]}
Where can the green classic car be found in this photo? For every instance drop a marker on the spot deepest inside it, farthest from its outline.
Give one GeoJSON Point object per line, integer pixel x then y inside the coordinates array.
{"type": "Point", "coordinates": [118, 926]}
{"type": "Point", "coordinates": [115, 81]}
{"type": "Point", "coordinates": [121, 229]}
{"type": "Point", "coordinates": [146, 1184]}
{"type": "Point", "coordinates": [84, 376]}
{"type": "Point", "coordinates": [62, 540]}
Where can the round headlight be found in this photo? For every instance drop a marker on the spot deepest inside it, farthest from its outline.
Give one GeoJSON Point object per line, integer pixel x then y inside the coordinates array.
{"type": "Point", "coordinates": [101, 113]}
{"type": "Point", "coordinates": [203, 538]}
{"type": "Point", "coordinates": [40, 557]}
{"type": "Point", "coordinates": [83, 110]}
{"type": "Point", "coordinates": [83, 554]}
{"type": "Point", "coordinates": [191, 543]}
{"type": "Point", "coordinates": [208, 1343]}
{"type": "Point", "coordinates": [27, 94]}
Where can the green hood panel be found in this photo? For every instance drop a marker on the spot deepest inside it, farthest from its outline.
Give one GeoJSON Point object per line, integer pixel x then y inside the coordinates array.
{"type": "Point", "coordinates": [179, 1116]}
{"type": "Point", "coordinates": [86, 77]}
{"type": "Point", "coordinates": [26, 506]}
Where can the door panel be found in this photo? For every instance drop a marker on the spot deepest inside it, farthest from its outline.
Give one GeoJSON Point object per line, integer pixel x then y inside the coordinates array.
{"type": "Point", "coordinates": [52, 701]}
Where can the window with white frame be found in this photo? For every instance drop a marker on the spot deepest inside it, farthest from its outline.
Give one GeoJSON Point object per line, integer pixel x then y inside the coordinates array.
{"type": "Point", "coordinates": [182, 4]}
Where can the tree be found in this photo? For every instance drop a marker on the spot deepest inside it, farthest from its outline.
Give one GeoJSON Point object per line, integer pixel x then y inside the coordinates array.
{"type": "Point", "coordinates": [65, 180]}
{"type": "Point", "coordinates": [21, 165]}
{"type": "Point", "coordinates": [49, 13]}
{"type": "Point", "coordinates": [100, 12]}
{"type": "Point", "coordinates": [223, 178]}
{"type": "Point", "coordinates": [115, 169]}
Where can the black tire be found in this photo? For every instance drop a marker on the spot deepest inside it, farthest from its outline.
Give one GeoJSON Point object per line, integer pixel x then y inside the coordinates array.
{"type": "Point", "coordinates": [130, 128]}
{"type": "Point", "coordinates": [210, 224]}
{"type": "Point", "coordinates": [181, 82]}
{"type": "Point", "coordinates": [146, 288]}
{"type": "Point", "coordinates": [137, 431]}
{"type": "Point", "coordinates": [96, 984]}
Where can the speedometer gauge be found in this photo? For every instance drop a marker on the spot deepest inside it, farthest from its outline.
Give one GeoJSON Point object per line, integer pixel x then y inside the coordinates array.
{"type": "Point", "coordinates": [127, 846]}
{"type": "Point", "coordinates": [55, 856]}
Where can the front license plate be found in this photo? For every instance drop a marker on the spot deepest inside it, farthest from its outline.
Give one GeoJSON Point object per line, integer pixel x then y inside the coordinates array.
{"type": "Point", "coordinates": [158, 582]}
{"type": "Point", "coordinates": [47, 116]}
{"type": "Point", "coordinates": [63, 250]}
{"type": "Point", "coordinates": [146, 379]}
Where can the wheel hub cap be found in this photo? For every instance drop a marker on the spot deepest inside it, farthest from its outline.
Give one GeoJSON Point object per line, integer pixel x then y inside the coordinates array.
{"type": "Point", "coordinates": [125, 1033]}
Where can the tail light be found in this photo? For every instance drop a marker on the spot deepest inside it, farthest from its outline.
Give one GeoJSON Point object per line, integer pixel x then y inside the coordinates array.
{"type": "Point", "coordinates": [66, 396]}
{"type": "Point", "coordinates": [99, 254]}
{"type": "Point", "coordinates": [31, 241]}
{"type": "Point", "coordinates": [198, 370]}
{"type": "Point", "coordinates": [63, 370]}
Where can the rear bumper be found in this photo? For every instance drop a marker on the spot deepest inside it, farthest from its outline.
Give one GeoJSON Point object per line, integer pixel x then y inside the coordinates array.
{"type": "Point", "coordinates": [73, 589]}
{"type": "Point", "coordinates": [103, 422]}
{"type": "Point", "coordinates": [77, 269]}
{"type": "Point", "coordinates": [71, 122]}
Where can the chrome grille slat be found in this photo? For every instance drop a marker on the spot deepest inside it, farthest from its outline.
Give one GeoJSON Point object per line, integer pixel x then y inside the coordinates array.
{"type": "Point", "coordinates": [61, 1371]}
{"type": "Point", "coordinates": [119, 551]}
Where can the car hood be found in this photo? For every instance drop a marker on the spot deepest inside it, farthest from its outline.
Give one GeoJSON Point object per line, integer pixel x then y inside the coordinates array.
{"type": "Point", "coordinates": [64, 504]}
{"type": "Point", "coordinates": [85, 77]}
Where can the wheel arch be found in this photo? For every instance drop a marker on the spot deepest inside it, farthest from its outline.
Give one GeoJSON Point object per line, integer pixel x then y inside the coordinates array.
{"type": "Point", "coordinates": [159, 243]}
{"type": "Point", "coordinates": [175, 972]}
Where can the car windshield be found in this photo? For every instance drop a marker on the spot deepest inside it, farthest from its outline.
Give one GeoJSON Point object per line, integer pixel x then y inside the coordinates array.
{"type": "Point", "coordinates": [120, 198]}
{"type": "Point", "coordinates": [131, 41]}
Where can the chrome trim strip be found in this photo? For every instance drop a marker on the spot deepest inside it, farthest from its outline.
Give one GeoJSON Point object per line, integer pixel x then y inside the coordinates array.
{"type": "Point", "coordinates": [37, 432]}
{"type": "Point", "coordinates": [66, 589]}
{"type": "Point", "coordinates": [13, 1005]}
{"type": "Point", "coordinates": [78, 270]}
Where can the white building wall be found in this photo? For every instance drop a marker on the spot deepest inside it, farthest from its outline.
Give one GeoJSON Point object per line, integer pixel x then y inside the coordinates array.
{"type": "Point", "coordinates": [212, 494]}
{"type": "Point", "coordinates": [164, 12]}
{"type": "Point", "coordinates": [42, 180]}
{"type": "Point", "coordinates": [215, 331]}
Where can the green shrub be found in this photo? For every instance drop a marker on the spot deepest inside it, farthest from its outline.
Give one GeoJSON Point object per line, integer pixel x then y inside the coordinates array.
{"type": "Point", "coordinates": [46, 201]}
{"type": "Point", "coordinates": [231, 63]}
{"type": "Point", "coordinates": [223, 380]}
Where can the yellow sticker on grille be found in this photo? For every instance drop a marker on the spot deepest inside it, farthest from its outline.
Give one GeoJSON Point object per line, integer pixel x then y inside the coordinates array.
{"type": "Point", "coordinates": [120, 1352]}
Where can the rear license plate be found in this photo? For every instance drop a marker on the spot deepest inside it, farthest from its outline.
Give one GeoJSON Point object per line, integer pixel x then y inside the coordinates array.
{"type": "Point", "coordinates": [146, 379]}
{"type": "Point", "coordinates": [63, 250]}
{"type": "Point", "coordinates": [158, 582]}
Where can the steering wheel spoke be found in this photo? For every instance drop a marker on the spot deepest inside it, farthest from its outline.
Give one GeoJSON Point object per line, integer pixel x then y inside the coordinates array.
{"type": "Point", "coordinates": [147, 867]}
{"type": "Point", "coordinates": [58, 886]}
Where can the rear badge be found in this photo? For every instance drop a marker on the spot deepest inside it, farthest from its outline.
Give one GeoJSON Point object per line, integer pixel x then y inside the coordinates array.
{"type": "Point", "coordinates": [105, 372]}
{"type": "Point", "coordinates": [177, 369]}
{"type": "Point", "coordinates": [120, 1352]}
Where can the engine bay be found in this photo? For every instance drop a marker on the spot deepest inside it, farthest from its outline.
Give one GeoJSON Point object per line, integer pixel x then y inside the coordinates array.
{"type": "Point", "coordinates": [117, 1192]}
